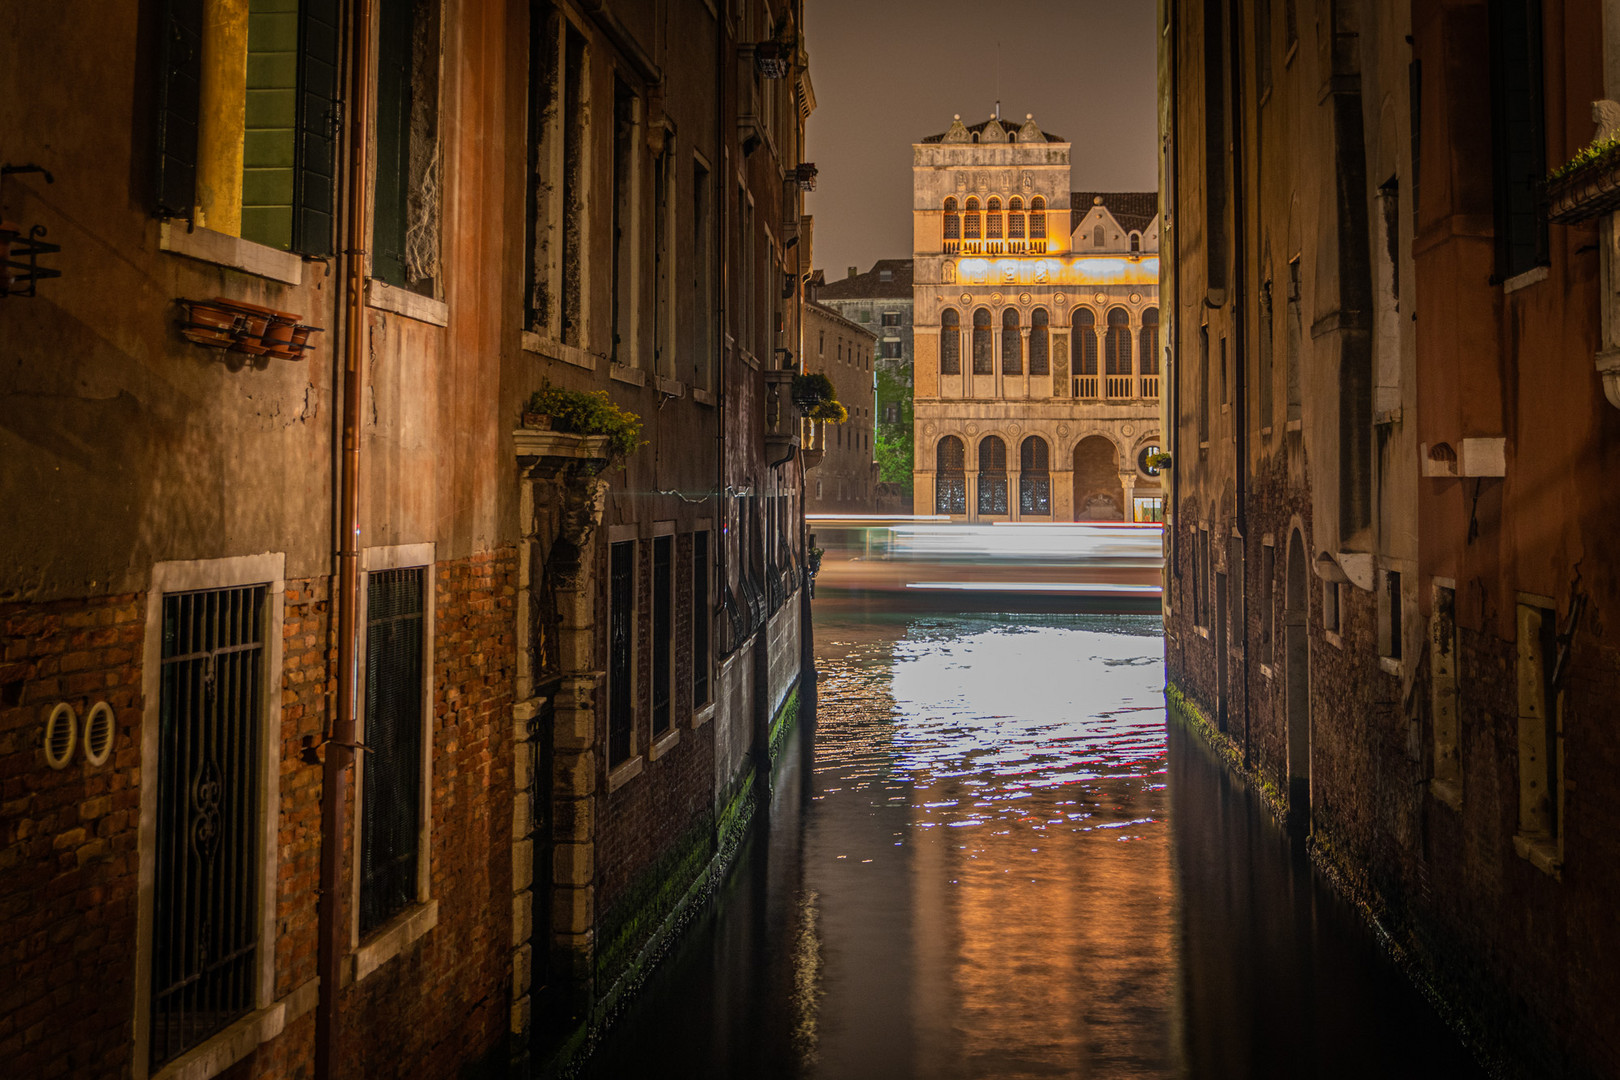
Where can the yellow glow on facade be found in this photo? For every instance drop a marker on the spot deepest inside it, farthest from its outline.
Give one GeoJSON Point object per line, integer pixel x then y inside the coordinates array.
{"type": "Point", "coordinates": [1085, 270]}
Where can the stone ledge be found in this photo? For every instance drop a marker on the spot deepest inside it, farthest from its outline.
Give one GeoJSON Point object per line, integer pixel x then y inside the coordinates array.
{"type": "Point", "coordinates": [551, 349]}
{"type": "Point", "coordinates": [397, 935]}
{"type": "Point", "coordinates": [242, 1038]}
{"type": "Point", "coordinates": [222, 249]}
{"type": "Point", "coordinates": [386, 297]}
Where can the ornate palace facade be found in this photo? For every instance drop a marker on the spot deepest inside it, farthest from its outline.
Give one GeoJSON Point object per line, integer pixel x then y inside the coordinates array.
{"type": "Point", "coordinates": [1036, 333]}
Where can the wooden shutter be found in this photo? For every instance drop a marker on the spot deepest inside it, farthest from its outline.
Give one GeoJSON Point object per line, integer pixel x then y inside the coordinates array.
{"type": "Point", "coordinates": [315, 153]}
{"type": "Point", "coordinates": [179, 99]}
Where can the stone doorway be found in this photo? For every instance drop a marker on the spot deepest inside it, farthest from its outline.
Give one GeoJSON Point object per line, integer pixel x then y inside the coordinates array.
{"type": "Point", "coordinates": [1098, 493]}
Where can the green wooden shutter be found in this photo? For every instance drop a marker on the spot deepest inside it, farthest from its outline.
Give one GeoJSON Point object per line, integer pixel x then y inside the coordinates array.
{"type": "Point", "coordinates": [179, 99]}
{"type": "Point", "coordinates": [315, 153]}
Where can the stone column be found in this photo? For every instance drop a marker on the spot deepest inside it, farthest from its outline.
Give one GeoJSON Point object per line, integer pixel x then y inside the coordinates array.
{"type": "Point", "coordinates": [1127, 484]}
{"type": "Point", "coordinates": [1028, 378]}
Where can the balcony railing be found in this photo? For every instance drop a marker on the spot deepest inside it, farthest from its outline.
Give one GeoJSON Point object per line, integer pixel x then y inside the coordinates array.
{"type": "Point", "coordinates": [1116, 387]}
{"type": "Point", "coordinates": [993, 247]}
{"type": "Point", "coordinates": [1085, 386]}
{"type": "Point", "coordinates": [1150, 386]}
{"type": "Point", "coordinates": [1119, 387]}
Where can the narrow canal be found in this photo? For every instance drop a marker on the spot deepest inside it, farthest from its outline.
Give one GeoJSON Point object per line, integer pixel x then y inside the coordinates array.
{"type": "Point", "coordinates": [990, 856]}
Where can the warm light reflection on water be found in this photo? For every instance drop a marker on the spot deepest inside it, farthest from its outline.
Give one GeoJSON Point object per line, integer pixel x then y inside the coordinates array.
{"type": "Point", "coordinates": [996, 860]}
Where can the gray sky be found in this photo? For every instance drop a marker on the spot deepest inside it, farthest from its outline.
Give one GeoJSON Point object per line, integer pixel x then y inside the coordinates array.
{"type": "Point", "coordinates": [888, 72]}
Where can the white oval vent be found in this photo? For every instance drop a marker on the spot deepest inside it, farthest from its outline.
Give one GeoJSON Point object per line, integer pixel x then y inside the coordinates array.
{"type": "Point", "coordinates": [61, 735]}
{"type": "Point", "coordinates": [99, 731]}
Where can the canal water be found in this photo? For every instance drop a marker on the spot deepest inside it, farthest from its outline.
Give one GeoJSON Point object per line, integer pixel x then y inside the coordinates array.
{"type": "Point", "coordinates": [990, 856]}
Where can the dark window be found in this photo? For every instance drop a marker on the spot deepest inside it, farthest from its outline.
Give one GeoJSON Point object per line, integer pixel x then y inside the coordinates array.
{"type": "Point", "coordinates": [702, 277]}
{"type": "Point", "coordinates": [950, 342]}
{"type": "Point", "coordinates": [1085, 341]}
{"type": "Point", "coordinates": [391, 777]}
{"type": "Point", "coordinates": [700, 619]}
{"type": "Point", "coordinates": [288, 129]}
{"type": "Point", "coordinates": [1203, 403]}
{"type": "Point", "coordinates": [1268, 601]}
{"type": "Point", "coordinates": [1015, 219]}
{"type": "Point", "coordinates": [983, 363]}
{"type": "Point", "coordinates": [663, 257]}
{"type": "Point", "coordinates": [406, 184]}
{"type": "Point", "coordinates": [1117, 348]}
{"type": "Point", "coordinates": [1037, 218]}
{"type": "Point", "coordinates": [953, 221]}
{"type": "Point", "coordinates": [622, 274]}
{"type": "Point", "coordinates": [1136, 243]}
{"type": "Point", "coordinates": [663, 638]}
{"type": "Point", "coordinates": [1518, 130]}
{"type": "Point", "coordinates": [1034, 478]}
{"type": "Point", "coordinates": [621, 652]}
{"type": "Point", "coordinates": [1266, 389]}
{"type": "Point", "coordinates": [1012, 343]}
{"type": "Point", "coordinates": [992, 476]}
{"type": "Point", "coordinates": [1150, 341]}
{"type": "Point", "coordinates": [891, 350]}
{"type": "Point", "coordinates": [992, 219]}
{"type": "Point", "coordinates": [950, 476]}
{"type": "Point", "coordinates": [1142, 460]}
{"type": "Point", "coordinates": [970, 220]}
{"type": "Point", "coordinates": [1262, 44]}
{"type": "Point", "coordinates": [891, 318]}
{"type": "Point", "coordinates": [1039, 342]}
{"type": "Point", "coordinates": [205, 921]}
{"type": "Point", "coordinates": [1392, 614]}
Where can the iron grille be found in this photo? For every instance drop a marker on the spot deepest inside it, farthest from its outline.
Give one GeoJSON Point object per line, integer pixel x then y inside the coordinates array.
{"type": "Point", "coordinates": [391, 793]}
{"type": "Point", "coordinates": [663, 624]}
{"type": "Point", "coordinates": [205, 889]}
{"type": "Point", "coordinates": [992, 493]}
{"type": "Point", "coordinates": [621, 611]}
{"type": "Point", "coordinates": [950, 496]}
{"type": "Point", "coordinates": [1035, 495]}
{"type": "Point", "coordinates": [700, 619]}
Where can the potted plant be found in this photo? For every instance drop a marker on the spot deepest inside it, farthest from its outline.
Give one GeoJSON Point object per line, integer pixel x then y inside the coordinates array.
{"type": "Point", "coordinates": [810, 390]}
{"type": "Point", "coordinates": [830, 411]}
{"type": "Point", "coordinates": [1587, 185]}
{"type": "Point", "coordinates": [1160, 461]}
{"type": "Point", "coordinates": [589, 413]}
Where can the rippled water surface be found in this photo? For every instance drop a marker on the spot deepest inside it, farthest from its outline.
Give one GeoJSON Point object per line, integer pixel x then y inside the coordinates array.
{"type": "Point", "coordinates": [990, 857]}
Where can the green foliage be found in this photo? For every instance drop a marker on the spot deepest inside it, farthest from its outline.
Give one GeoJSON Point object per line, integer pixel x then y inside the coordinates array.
{"type": "Point", "coordinates": [1161, 460]}
{"type": "Point", "coordinates": [829, 410]}
{"type": "Point", "coordinates": [1591, 154]}
{"type": "Point", "coordinates": [896, 457]}
{"type": "Point", "coordinates": [578, 412]}
{"type": "Point", "coordinates": [812, 389]}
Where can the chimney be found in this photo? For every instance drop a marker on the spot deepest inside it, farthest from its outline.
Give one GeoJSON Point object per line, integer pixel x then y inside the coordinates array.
{"type": "Point", "coordinates": [854, 270]}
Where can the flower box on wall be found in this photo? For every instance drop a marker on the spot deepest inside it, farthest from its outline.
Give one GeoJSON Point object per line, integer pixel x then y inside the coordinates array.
{"type": "Point", "coordinates": [250, 329]}
{"type": "Point", "coordinates": [1586, 191]}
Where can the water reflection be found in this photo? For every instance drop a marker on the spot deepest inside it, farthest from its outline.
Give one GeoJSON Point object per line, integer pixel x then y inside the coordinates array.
{"type": "Point", "coordinates": [998, 862]}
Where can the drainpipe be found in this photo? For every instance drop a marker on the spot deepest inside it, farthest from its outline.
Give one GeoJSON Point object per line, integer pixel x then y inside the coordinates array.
{"type": "Point", "coordinates": [1240, 312]}
{"type": "Point", "coordinates": [340, 745]}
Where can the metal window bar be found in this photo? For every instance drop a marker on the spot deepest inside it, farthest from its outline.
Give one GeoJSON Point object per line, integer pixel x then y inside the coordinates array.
{"type": "Point", "coordinates": [206, 883]}
{"type": "Point", "coordinates": [621, 614]}
{"type": "Point", "coordinates": [1035, 494]}
{"type": "Point", "coordinates": [663, 625]}
{"type": "Point", "coordinates": [700, 619]}
{"type": "Point", "coordinates": [951, 493]}
{"type": "Point", "coordinates": [391, 780]}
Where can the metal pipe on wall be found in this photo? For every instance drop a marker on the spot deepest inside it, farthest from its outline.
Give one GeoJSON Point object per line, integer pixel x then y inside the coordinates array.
{"type": "Point", "coordinates": [340, 744]}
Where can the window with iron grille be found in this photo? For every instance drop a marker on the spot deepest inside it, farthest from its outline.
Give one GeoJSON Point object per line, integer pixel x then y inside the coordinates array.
{"type": "Point", "coordinates": [950, 342]}
{"type": "Point", "coordinates": [205, 924]}
{"type": "Point", "coordinates": [700, 619]}
{"type": "Point", "coordinates": [621, 646]}
{"type": "Point", "coordinates": [663, 625]}
{"type": "Point", "coordinates": [992, 475]}
{"type": "Point", "coordinates": [982, 343]}
{"type": "Point", "coordinates": [391, 776]}
{"type": "Point", "coordinates": [950, 479]}
{"type": "Point", "coordinates": [1034, 478]}
{"type": "Point", "coordinates": [891, 318]}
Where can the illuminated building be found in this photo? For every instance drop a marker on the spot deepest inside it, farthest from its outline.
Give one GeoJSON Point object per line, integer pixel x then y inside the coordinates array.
{"type": "Point", "coordinates": [1036, 323]}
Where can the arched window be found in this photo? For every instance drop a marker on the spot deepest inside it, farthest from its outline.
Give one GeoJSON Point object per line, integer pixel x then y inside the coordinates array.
{"type": "Point", "coordinates": [953, 221]}
{"type": "Point", "coordinates": [1097, 236]}
{"type": "Point", "coordinates": [950, 342]}
{"type": "Point", "coordinates": [1038, 342]}
{"type": "Point", "coordinates": [992, 476]}
{"type": "Point", "coordinates": [1012, 343]}
{"type": "Point", "coordinates": [992, 219]}
{"type": "Point", "coordinates": [970, 221]}
{"type": "Point", "coordinates": [1085, 353]}
{"type": "Point", "coordinates": [1037, 218]}
{"type": "Point", "coordinates": [1015, 218]}
{"type": "Point", "coordinates": [1117, 353]}
{"type": "Point", "coordinates": [1136, 243]}
{"type": "Point", "coordinates": [950, 476]}
{"type": "Point", "coordinates": [1150, 353]}
{"type": "Point", "coordinates": [1034, 478]}
{"type": "Point", "coordinates": [983, 359]}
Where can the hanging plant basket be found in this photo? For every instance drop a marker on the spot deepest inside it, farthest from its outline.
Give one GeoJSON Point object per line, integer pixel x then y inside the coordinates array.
{"type": "Point", "coordinates": [812, 389]}
{"type": "Point", "coordinates": [772, 59]}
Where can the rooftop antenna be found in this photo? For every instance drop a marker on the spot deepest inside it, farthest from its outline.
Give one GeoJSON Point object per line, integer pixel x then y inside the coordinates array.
{"type": "Point", "coordinates": [998, 78]}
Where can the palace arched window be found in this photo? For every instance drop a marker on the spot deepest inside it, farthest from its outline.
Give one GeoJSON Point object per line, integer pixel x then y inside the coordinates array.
{"type": "Point", "coordinates": [983, 357]}
{"type": "Point", "coordinates": [1015, 218]}
{"type": "Point", "coordinates": [1097, 236]}
{"type": "Point", "coordinates": [953, 221]}
{"type": "Point", "coordinates": [950, 342]}
{"type": "Point", "coordinates": [1117, 354]}
{"type": "Point", "coordinates": [970, 220]}
{"type": "Point", "coordinates": [950, 476]}
{"type": "Point", "coordinates": [992, 476]}
{"type": "Point", "coordinates": [1012, 343]}
{"type": "Point", "coordinates": [1136, 243]}
{"type": "Point", "coordinates": [1150, 341]}
{"type": "Point", "coordinates": [1039, 338]}
{"type": "Point", "coordinates": [1085, 353]}
{"type": "Point", "coordinates": [1034, 478]}
{"type": "Point", "coordinates": [1037, 218]}
{"type": "Point", "coordinates": [992, 219]}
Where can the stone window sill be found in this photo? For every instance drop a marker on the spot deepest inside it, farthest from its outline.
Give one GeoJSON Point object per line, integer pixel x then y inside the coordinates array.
{"type": "Point", "coordinates": [222, 249]}
{"type": "Point", "coordinates": [1541, 852]}
{"type": "Point", "coordinates": [1202, 631]}
{"type": "Point", "coordinates": [552, 349]}
{"type": "Point", "coordinates": [236, 1042]}
{"type": "Point", "coordinates": [1524, 280]}
{"type": "Point", "coordinates": [1265, 671]}
{"type": "Point", "coordinates": [703, 716]}
{"type": "Point", "coordinates": [1333, 639]}
{"type": "Point", "coordinates": [669, 387]}
{"type": "Point", "coordinates": [664, 744]}
{"type": "Point", "coordinates": [620, 373]}
{"type": "Point", "coordinates": [397, 935]}
{"type": "Point", "coordinates": [703, 396]}
{"type": "Point", "coordinates": [1295, 425]}
{"type": "Point", "coordinates": [1389, 665]}
{"type": "Point", "coordinates": [623, 774]}
{"type": "Point", "coordinates": [386, 297]}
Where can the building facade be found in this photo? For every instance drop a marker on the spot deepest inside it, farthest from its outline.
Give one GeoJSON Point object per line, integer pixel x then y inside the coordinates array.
{"type": "Point", "coordinates": [1037, 333]}
{"type": "Point", "coordinates": [231, 560]}
{"type": "Point", "coordinates": [843, 479]}
{"type": "Point", "coordinates": [880, 299]}
{"type": "Point", "coordinates": [1391, 386]}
